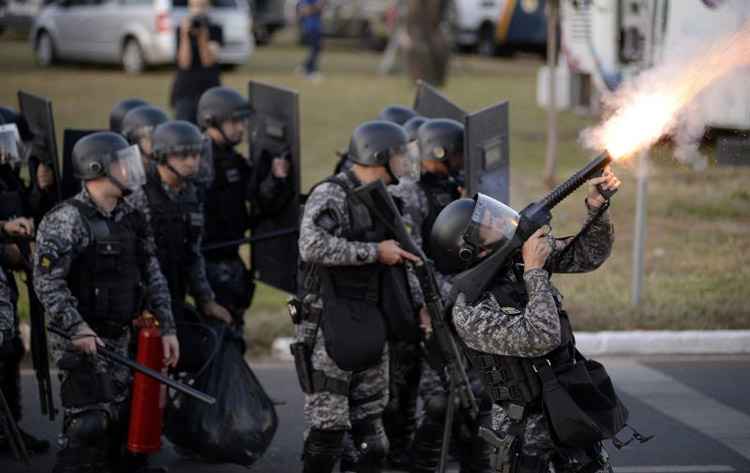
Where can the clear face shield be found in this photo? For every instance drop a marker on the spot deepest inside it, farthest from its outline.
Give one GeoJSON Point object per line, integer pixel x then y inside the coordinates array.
{"type": "Point", "coordinates": [127, 168]}
{"type": "Point", "coordinates": [413, 150]}
{"type": "Point", "coordinates": [402, 165]}
{"type": "Point", "coordinates": [492, 224]}
{"type": "Point", "coordinates": [12, 150]}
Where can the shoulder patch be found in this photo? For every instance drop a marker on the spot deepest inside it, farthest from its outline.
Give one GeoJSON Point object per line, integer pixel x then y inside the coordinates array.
{"type": "Point", "coordinates": [45, 262]}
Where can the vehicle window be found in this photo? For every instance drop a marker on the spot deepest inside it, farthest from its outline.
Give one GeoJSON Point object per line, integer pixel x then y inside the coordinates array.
{"type": "Point", "coordinates": [214, 3]}
{"type": "Point", "coordinates": [136, 2]}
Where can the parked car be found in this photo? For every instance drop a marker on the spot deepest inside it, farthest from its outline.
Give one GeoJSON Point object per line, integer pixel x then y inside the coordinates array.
{"type": "Point", "coordinates": [18, 15]}
{"type": "Point", "coordinates": [492, 27]}
{"type": "Point", "coordinates": [133, 33]}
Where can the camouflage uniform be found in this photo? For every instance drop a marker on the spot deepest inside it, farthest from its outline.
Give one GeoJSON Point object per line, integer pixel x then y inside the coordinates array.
{"type": "Point", "coordinates": [7, 309]}
{"type": "Point", "coordinates": [490, 328]}
{"type": "Point", "coordinates": [62, 237]}
{"type": "Point", "coordinates": [200, 288]}
{"type": "Point", "coordinates": [360, 410]}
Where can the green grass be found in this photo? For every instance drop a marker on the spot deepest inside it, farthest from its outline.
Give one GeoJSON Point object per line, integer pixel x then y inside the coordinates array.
{"type": "Point", "coordinates": [698, 250]}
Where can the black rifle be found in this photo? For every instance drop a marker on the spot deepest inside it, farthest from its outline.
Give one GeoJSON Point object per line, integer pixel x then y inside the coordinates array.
{"type": "Point", "coordinates": [11, 432]}
{"type": "Point", "coordinates": [111, 355]}
{"type": "Point", "coordinates": [39, 350]}
{"type": "Point", "coordinates": [474, 281]}
{"type": "Point", "coordinates": [376, 198]}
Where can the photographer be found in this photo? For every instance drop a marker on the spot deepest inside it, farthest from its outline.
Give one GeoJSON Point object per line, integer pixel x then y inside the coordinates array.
{"type": "Point", "coordinates": [198, 44]}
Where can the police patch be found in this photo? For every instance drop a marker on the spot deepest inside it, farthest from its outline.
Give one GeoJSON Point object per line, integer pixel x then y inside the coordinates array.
{"type": "Point", "coordinates": [510, 310]}
{"type": "Point", "coordinates": [45, 262]}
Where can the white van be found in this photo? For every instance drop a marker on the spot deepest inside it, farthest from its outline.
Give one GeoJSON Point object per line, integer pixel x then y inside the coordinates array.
{"type": "Point", "coordinates": [133, 33]}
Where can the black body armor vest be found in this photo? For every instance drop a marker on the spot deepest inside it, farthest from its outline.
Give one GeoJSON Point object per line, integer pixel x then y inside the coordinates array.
{"type": "Point", "coordinates": [226, 211]}
{"type": "Point", "coordinates": [11, 194]}
{"type": "Point", "coordinates": [176, 226]}
{"type": "Point", "coordinates": [440, 191]}
{"type": "Point", "coordinates": [107, 278]}
{"type": "Point", "coordinates": [514, 379]}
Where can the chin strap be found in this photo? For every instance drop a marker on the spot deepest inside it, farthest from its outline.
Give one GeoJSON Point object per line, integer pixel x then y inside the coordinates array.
{"type": "Point", "coordinates": [126, 191]}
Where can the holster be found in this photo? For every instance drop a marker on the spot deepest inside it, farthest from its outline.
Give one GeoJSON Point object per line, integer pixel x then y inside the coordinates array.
{"type": "Point", "coordinates": [505, 450]}
{"type": "Point", "coordinates": [303, 366]}
{"type": "Point", "coordinates": [84, 385]}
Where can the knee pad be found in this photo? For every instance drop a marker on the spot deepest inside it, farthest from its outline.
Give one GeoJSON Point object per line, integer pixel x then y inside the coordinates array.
{"type": "Point", "coordinates": [88, 428]}
{"type": "Point", "coordinates": [370, 440]}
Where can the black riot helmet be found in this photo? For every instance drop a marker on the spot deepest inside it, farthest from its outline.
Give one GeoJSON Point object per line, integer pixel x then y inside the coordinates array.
{"type": "Point", "coordinates": [178, 138]}
{"type": "Point", "coordinates": [381, 143]}
{"type": "Point", "coordinates": [220, 104]}
{"type": "Point", "coordinates": [397, 114]}
{"type": "Point", "coordinates": [469, 230]}
{"type": "Point", "coordinates": [10, 116]}
{"type": "Point", "coordinates": [440, 139]}
{"type": "Point", "coordinates": [117, 115]}
{"type": "Point", "coordinates": [108, 155]}
{"type": "Point", "coordinates": [140, 122]}
{"type": "Point", "coordinates": [412, 125]}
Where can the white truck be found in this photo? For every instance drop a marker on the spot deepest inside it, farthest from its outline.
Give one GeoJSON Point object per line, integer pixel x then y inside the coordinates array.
{"type": "Point", "coordinates": [603, 42]}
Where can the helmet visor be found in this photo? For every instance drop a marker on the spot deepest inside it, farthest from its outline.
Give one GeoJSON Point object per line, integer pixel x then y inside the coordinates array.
{"type": "Point", "coordinates": [492, 223]}
{"type": "Point", "coordinates": [11, 147]}
{"type": "Point", "coordinates": [402, 164]}
{"type": "Point", "coordinates": [127, 168]}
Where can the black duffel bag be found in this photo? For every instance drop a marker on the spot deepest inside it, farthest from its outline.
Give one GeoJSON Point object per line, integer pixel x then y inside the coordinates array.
{"type": "Point", "coordinates": [580, 402]}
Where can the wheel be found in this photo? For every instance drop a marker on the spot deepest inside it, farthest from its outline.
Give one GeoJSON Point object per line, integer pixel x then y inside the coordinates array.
{"type": "Point", "coordinates": [487, 46]}
{"type": "Point", "coordinates": [133, 61]}
{"type": "Point", "coordinates": [45, 50]}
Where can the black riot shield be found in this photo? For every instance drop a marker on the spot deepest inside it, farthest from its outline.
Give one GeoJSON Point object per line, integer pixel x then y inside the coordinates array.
{"type": "Point", "coordinates": [432, 104]}
{"type": "Point", "coordinates": [487, 163]}
{"type": "Point", "coordinates": [38, 114]}
{"type": "Point", "coordinates": [70, 185]}
{"type": "Point", "coordinates": [276, 133]}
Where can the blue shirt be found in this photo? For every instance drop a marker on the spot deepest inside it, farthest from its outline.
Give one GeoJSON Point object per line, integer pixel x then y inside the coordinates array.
{"type": "Point", "coordinates": [310, 23]}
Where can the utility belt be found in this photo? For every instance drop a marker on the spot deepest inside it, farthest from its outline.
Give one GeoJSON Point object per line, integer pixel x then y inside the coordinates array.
{"type": "Point", "coordinates": [307, 319]}
{"type": "Point", "coordinates": [109, 329]}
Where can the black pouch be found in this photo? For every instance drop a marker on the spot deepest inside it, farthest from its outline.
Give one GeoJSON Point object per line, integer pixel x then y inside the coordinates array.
{"type": "Point", "coordinates": [398, 308]}
{"type": "Point", "coordinates": [303, 366]}
{"type": "Point", "coordinates": [84, 385]}
{"type": "Point", "coordinates": [581, 404]}
{"type": "Point", "coordinates": [354, 329]}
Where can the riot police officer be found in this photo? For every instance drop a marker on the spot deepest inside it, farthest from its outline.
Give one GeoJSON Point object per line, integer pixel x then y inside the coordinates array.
{"type": "Point", "coordinates": [170, 203]}
{"type": "Point", "coordinates": [264, 184]}
{"type": "Point", "coordinates": [346, 253]}
{"type": "Point", "coordinates": [94, 268]}
{"type": "Point", "coordinates": [117, 115]}
{"type": "Point", "coordinates": [440, 144]}
{"type": "Point", "coordinates": [14, 224]}
{"type": "Point", "coordinates": [517, 327]}
{"type": "Point", "coordinates": [138, 127]}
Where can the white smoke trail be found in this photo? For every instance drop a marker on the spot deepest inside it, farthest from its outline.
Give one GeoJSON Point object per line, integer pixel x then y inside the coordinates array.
{"type": "Point", "coordinates": [664, 100]}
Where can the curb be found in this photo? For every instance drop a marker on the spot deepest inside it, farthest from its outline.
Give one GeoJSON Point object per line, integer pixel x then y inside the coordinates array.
{"type": "Point", "coordinates": [639, 342]}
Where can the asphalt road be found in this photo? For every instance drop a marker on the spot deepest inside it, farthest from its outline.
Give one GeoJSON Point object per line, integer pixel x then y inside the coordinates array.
{"type": "Point", "coordinates": [698, 408]}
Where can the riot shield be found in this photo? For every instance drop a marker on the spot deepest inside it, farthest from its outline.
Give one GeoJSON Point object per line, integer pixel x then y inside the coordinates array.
{"type": "Point", "coordinates": [432, 104]}
{"type": "Point", "coordinates": [70, 185]}
{"type": "Point", "coordinates": [487, 153]}
{"type": "Point", "coordinates": [38, 114]}
{"type": "Point", "coordinates": [276, 133]}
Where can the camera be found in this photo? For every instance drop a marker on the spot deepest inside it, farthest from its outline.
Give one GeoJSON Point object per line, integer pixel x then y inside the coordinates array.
{"type": "Point", "coordinates": [199, 22]}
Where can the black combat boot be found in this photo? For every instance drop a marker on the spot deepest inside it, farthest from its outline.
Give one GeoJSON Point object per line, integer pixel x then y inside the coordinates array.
{"type": "Point", "coordinates": [322, 449]}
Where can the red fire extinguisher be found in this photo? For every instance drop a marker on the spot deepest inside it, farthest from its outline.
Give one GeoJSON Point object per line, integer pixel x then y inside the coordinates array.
{"type": "Point", "coordinates": [147, 404]}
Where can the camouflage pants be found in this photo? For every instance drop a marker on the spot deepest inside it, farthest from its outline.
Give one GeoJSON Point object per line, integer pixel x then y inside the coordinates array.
{"type": "Point", "coordinates": [359, 412]}
{"type": "Point", "coordinates": [538, 442]}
